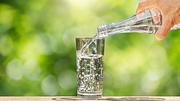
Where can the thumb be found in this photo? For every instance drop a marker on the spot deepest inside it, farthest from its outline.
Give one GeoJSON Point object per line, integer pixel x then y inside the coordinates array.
{"type": "Point", "coordinates": [164, 29]}
{"type": "Point", "coordinates": [145, 4]}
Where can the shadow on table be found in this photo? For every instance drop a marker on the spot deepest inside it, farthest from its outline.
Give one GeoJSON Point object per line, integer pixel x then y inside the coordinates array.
{"type": "Point", "coordinates": [112, 99]}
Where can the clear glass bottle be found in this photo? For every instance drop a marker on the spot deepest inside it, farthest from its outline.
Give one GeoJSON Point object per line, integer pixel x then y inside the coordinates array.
{"type": "Point", "coordinates": [143, 23]}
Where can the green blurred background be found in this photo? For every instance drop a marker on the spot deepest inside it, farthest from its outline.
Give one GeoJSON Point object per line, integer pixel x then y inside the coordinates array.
{"type": "Point", "coordinates": [38, 56]}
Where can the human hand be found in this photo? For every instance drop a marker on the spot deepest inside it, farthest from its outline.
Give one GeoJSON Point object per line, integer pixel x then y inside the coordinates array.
{"type": "Point", "coordinates": [170, 11]}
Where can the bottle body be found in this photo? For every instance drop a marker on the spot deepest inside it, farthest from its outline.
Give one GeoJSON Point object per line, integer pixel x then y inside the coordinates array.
{"type": "Point", "coordinates": [143, 23]}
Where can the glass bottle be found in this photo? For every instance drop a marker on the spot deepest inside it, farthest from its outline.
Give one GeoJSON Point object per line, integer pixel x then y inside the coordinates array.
{"type": "Point", "coordinates": [143, 22]}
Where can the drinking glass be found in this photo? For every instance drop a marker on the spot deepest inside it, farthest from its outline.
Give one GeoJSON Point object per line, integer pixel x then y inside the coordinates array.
{"type": "Point", "coordinates": [89, 67]}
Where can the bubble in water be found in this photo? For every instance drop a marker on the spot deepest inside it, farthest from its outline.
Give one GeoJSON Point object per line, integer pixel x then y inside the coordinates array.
{"type": "Point", "coordinates": [90, 75]}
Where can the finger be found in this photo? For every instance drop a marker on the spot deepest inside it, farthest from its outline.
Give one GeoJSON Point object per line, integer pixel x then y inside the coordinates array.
{"type": "Point", "coordinates": [156, 15]}
{"type": "Point", "coordinates": [164, 29]}
{"type": "Point", "coordinates": [145, 5]}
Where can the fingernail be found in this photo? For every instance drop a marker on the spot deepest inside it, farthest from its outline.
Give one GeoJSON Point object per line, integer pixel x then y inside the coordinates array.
{"type": "Point", "coordinates": [159, 37]}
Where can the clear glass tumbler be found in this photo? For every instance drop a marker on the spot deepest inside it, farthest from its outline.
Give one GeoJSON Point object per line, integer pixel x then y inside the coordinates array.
{"type": "Point", "coordinates": [90, 67]}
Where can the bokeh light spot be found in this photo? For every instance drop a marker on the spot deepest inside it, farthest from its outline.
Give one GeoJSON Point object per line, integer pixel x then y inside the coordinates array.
{"type": "Point", "coordinates": [49, 85]}
{"type": "Point", "coordinates": [14, 69]}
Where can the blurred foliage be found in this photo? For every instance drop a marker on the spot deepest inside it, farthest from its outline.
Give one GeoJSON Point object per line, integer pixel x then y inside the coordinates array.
{"type": "Point", "coordinates": [38, 56]}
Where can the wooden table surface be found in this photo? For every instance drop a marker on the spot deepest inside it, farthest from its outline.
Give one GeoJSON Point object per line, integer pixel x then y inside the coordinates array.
{"type": "Point", "coordinates": [73, 98]}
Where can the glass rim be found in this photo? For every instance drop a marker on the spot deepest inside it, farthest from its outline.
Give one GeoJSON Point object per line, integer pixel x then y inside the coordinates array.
{"type": "Point", "coordinates": [86, 38]}
{"type": "Point", "coordinates": [83, 38]}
